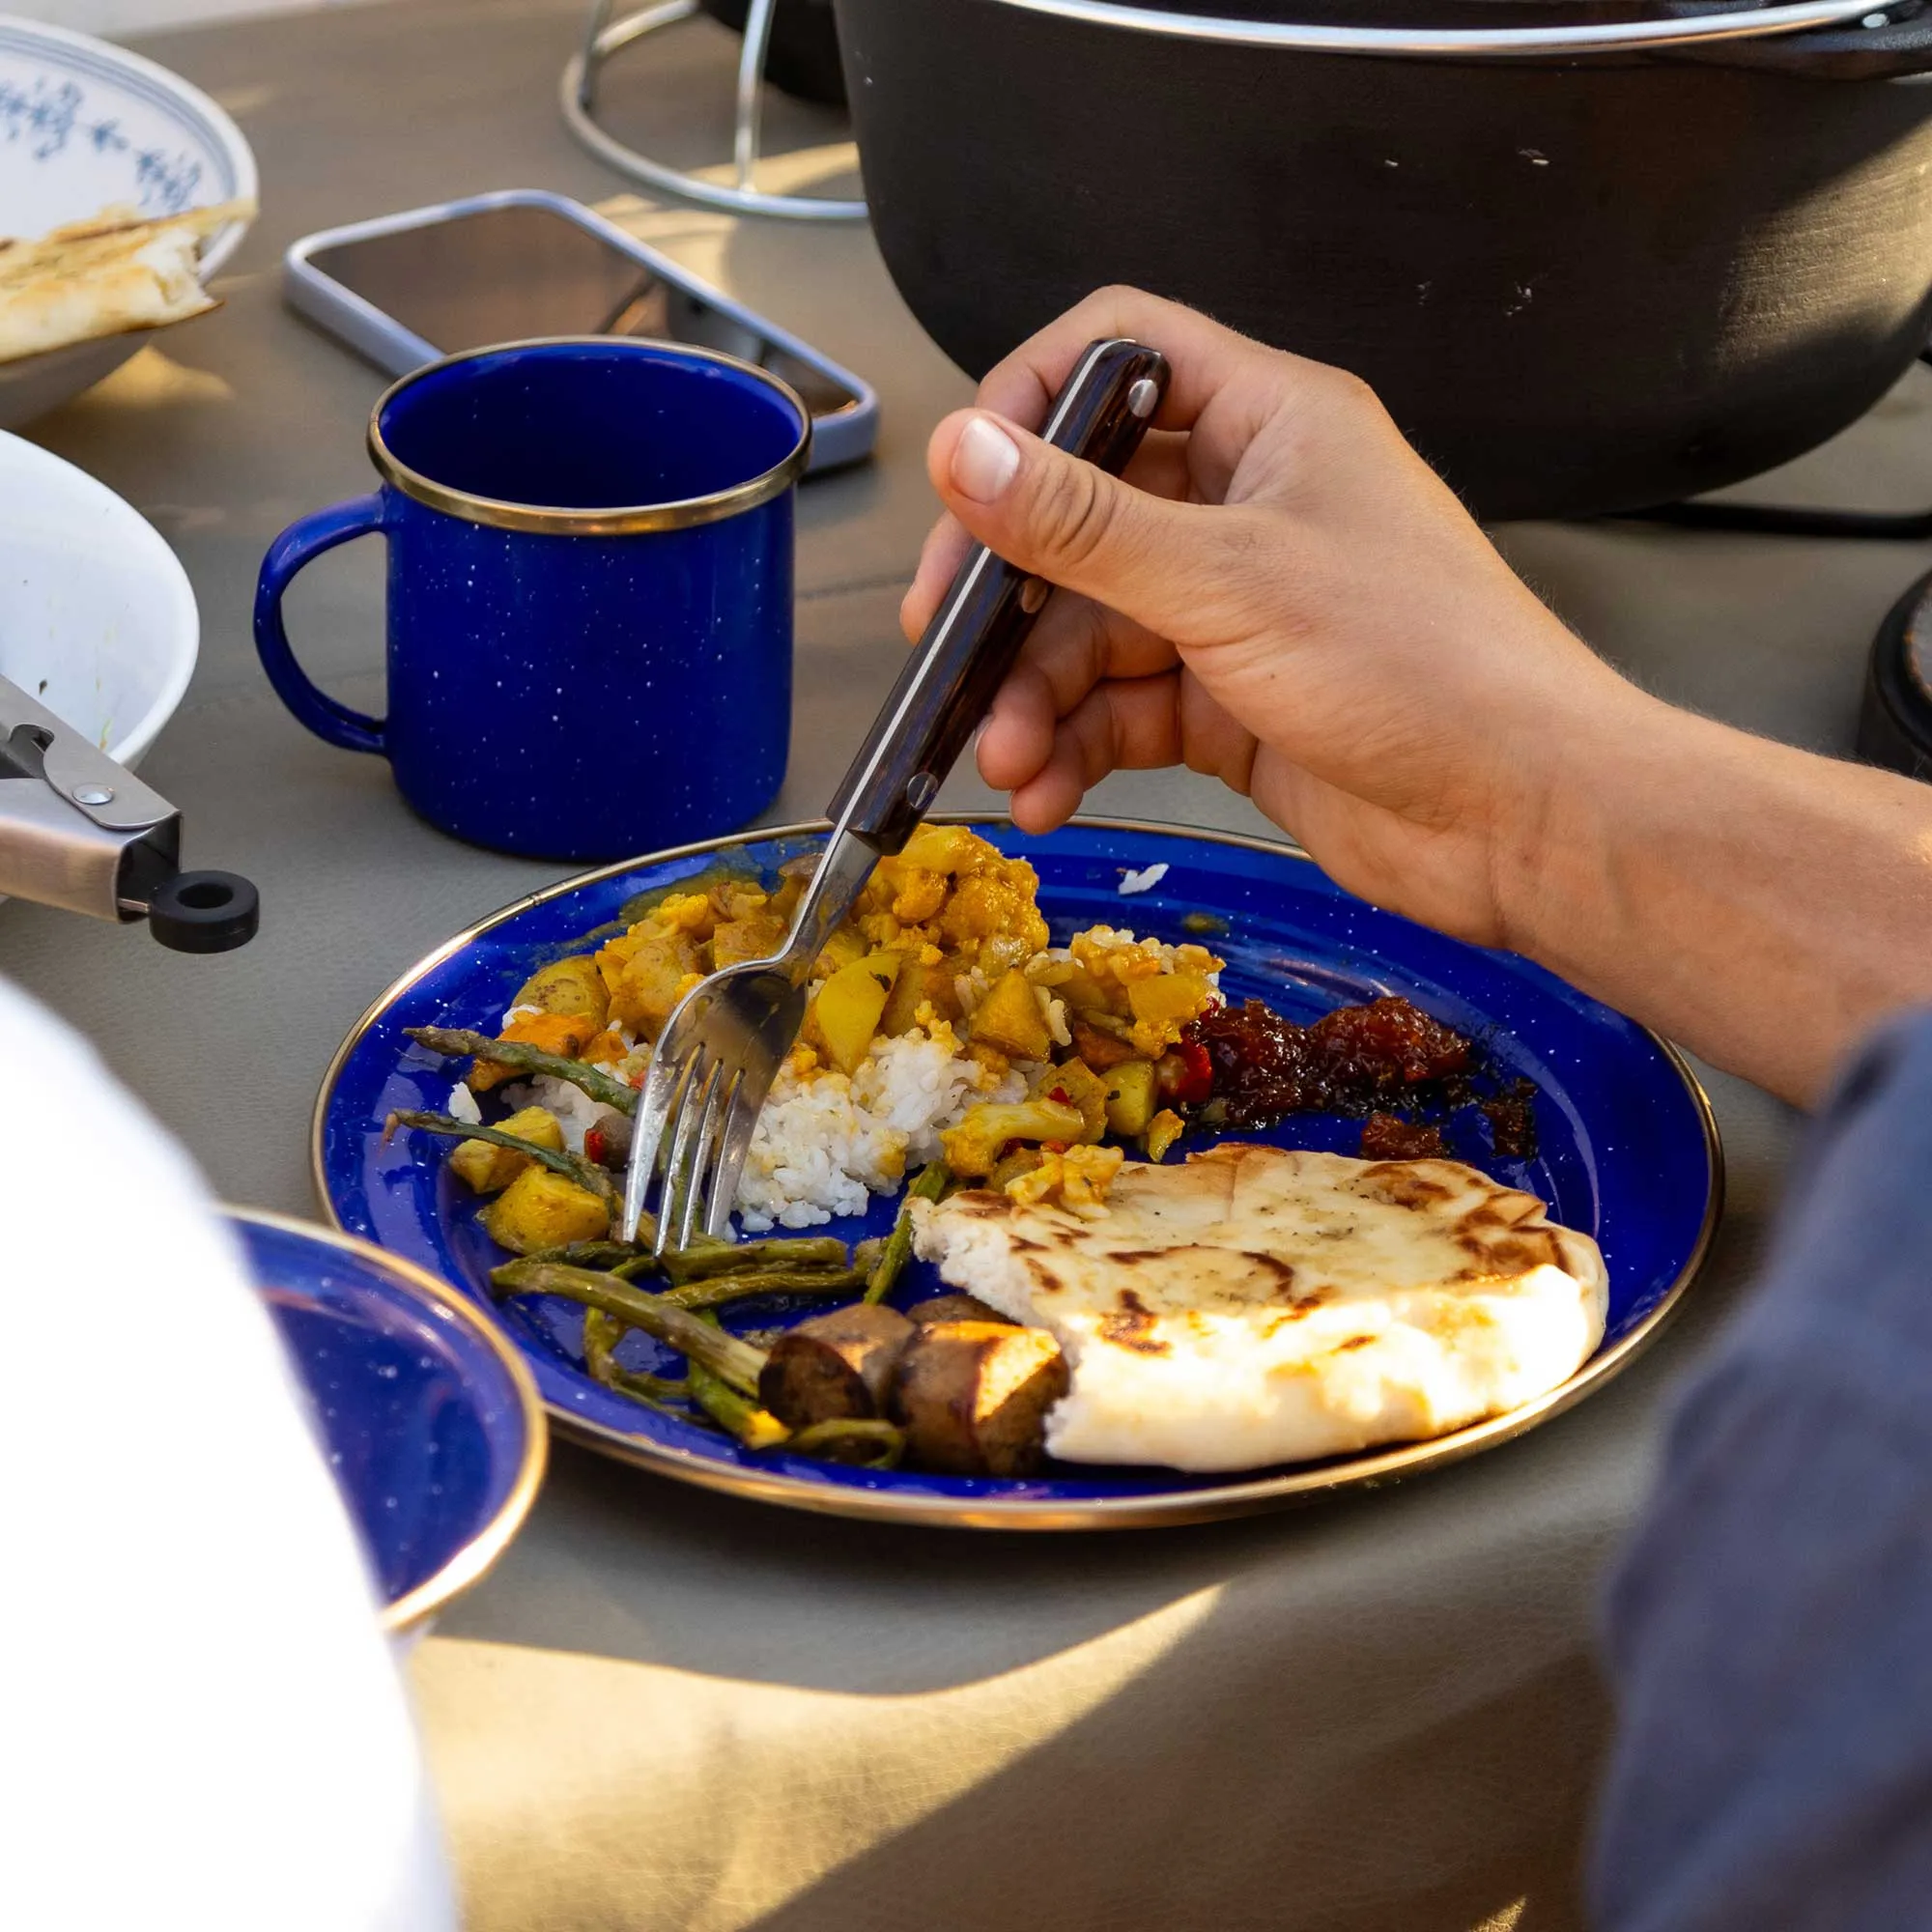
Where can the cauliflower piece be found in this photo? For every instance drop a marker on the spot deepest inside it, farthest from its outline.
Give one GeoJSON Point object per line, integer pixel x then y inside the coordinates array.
{"type": "Point", "coordinates": [1078, 1180]}
{"type": "Point", "coordinates": [972, 1146]}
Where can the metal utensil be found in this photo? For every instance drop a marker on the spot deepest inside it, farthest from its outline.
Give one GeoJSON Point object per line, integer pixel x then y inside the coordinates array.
{"type": "Point", "coordinates": [723, 1045]}
{"type": "Point", "coordinates": [80, 832]}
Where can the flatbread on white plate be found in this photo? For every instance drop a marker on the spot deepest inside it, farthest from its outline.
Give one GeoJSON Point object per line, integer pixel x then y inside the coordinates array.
{"type": "Point", "coordinates": [1253, 1306]}
{"type": "Point", "coordinates": [113, 273]}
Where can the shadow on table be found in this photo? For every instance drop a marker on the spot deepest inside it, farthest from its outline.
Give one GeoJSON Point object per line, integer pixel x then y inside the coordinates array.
{"type": "Point", "coordinates": [1324, 1813]}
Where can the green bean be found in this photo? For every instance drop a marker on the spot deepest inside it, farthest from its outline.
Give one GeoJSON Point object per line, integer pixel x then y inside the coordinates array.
{"type": "Point", "coordinates": [602, 1333]}
{"type": "Point", "coordinates": [714, 1291]}
{"type": "Point", "coordinates": [573, 1167]}
{"type": "Point", "coordinates": [453, 1043]}
{"type": "Point", "coordinates": [737, 1414]}
{"type": "Point", "coordinates": [715, 1257]}
{"type": "Point", "coordinates": [601, 1258]}
{"type": "Point", "coordinates": [732, 1360]}
{"type": "Point", "coordinates": [863, 1444]}
{"type": "Point", "coordinates": [928, 1185]}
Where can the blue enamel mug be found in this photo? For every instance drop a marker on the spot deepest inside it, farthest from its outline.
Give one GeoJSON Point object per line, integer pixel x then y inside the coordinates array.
{"type": "Point", "coordinates": [589, 594]}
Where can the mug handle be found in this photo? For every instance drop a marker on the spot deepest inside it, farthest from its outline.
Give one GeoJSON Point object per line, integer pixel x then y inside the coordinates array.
{"type": "Point", "coordinates": [303, 541]}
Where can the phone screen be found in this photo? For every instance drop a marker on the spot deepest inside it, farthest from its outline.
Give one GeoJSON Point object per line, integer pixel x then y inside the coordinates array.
{"type": "Point", "coordinates": [504, 275]}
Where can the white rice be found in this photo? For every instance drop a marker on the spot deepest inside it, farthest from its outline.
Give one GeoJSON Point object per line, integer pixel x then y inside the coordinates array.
{"type": "Point", "coordinates": [825, 1142]}
{"type": "Point", "coordinates": [577, 1112]}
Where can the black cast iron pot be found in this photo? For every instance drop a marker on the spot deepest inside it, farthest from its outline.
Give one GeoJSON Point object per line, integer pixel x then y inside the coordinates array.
{"type": "Point", "coordinates": [1581, 280]}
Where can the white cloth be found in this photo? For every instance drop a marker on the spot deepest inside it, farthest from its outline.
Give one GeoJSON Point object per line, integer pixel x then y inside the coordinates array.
{"type": "Point", "coordinates": [201, 1723]}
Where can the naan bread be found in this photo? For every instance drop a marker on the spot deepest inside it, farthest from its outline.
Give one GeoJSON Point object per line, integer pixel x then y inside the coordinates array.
{"type": "Point", "coordinates": [103, 276]}
{"type": "Point", "coordinates": [1255, 1306]}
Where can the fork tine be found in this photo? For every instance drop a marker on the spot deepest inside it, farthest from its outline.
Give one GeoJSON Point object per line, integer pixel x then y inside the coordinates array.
{"type": "Point", "coordinates": [662, 1085]}
{"type": "Point", "coordinates": [696, 1206]}
{"type": "Point", "coordinates": [747, 1098]}
{"type": "Point", "coordinates": [679, 1177]}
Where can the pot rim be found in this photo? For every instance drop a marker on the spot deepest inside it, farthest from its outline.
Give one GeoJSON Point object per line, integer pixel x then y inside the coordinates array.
{"type": "Point", "coordinates": [1786, 17]}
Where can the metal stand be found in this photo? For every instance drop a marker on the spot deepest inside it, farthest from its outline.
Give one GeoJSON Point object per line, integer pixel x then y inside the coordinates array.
{"type": "Point", "coordinates": [605, 37]}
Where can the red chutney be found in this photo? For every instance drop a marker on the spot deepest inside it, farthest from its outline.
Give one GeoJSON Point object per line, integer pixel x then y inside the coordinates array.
{"type": "Point", "coordinates": [1512, 1118]}
{"type": "Point", "coordinates": [1385, 1136]}
{"type": "Point", "coordinates": [1356, 1059]}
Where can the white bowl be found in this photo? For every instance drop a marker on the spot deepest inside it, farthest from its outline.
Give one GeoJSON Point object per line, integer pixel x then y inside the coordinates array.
{"type": "Point", "coordinates": [96, 618]}
{"type": "Point", "coordinates": [84, 125]}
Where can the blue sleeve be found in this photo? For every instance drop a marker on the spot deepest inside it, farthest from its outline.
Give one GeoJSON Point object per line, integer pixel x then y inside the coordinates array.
{"type": "Point", "coordinates": [1769, 1633]}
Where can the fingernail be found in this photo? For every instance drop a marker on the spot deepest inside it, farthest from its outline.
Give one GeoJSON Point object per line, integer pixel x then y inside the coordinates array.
{"type": "Point", "coordinates": [984, 461]}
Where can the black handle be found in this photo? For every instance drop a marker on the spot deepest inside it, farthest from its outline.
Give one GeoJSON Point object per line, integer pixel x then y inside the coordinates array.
{"type": "Point", "coordinates": [951, 678]}
{"type": "Point", "coordinates": [204, 912]}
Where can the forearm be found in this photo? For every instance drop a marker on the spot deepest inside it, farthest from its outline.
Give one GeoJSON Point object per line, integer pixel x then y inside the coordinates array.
{"type": "Point", "coordinates": [1760, 906]}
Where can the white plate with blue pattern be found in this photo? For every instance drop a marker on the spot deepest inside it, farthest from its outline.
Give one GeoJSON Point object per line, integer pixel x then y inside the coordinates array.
{"type": "Point", "coordinates": [85, 125]}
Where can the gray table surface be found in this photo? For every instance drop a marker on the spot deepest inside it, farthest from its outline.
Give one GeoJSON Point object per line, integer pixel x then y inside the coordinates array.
{"type": "Point", "coordinates": [667, 1710]}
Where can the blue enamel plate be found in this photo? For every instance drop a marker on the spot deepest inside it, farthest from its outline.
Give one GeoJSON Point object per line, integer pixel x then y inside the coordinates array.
{"type": "Point", "coordinates": [1627, 1150]}
{"type": "Point", "coordinates": [430, 1420]}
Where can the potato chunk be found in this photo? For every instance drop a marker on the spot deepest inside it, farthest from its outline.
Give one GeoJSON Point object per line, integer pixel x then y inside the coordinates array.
{"type": "Point", "coordinates": [663, 966]}
{"type": "Point", "coordinates": [1010, 1019]}
{"type": "Point", "coordinates": [1132, 1097]}
{"type": "Point", "coordinates": [572, 985]}
{"type": "Point", "coordinates": [541, 1210]}
{"type": "Point", "coordinates": [756, 936]}
{"type": "Point", "coordinates": [488, 1168]}
{"type": "Point", "coordinates": [919, 985]}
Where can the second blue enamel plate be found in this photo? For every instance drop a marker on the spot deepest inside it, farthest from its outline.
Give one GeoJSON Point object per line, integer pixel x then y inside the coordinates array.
{"type": "Point", "coordinates": [1628, 1152]}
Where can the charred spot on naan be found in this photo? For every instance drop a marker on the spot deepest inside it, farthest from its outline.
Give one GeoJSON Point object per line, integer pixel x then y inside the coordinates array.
{"type": "Point", "coordinates": [1132, 1325]}
{"type": "Point", "coordinates": [1405, 1184]}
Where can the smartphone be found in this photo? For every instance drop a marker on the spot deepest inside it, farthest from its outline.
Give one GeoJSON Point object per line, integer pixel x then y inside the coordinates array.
{"type": "Point", "coordinates": [502, 268]}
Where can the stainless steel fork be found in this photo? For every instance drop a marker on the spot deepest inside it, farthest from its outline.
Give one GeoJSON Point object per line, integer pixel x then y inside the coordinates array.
{"type": "Point", "coordinates": [721, 1049]}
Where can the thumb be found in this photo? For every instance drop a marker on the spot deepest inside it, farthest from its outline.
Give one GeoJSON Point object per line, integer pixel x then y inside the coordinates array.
{"type": "Point", "coordinates": [1163, 565]}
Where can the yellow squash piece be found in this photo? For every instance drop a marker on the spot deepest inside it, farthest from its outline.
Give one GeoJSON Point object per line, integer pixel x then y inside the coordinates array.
{"type": "Point", "coordinates": [1168, 997]}
{"type": "Point", "coordinates": [846, 1008]}
{"type": "Point", "coordinates": [1164, 1004]}
{"type": "Point", "coordinates": [541, 1210]}
{"type": "Point", "coordinates": [1010, 1019]}
{"type": "Point", "coordinates": [488, 1168]}
{"type": "Point", "coordinates": [572, 985]}
{"type": "Point", "coordinates": [1130, 1097]}
{"type": "Point", "coordinates": [846, 946]}
{"type": "Point", "coordinates": [1163, 1130]}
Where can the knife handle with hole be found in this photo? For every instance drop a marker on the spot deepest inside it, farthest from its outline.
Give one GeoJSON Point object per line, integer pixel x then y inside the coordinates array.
{"type": "Point", "coordinates": [949, 680]}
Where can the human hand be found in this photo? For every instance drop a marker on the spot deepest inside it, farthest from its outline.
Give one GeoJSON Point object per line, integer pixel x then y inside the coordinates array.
{"type": "Point", "coordinates": [1280, 593]}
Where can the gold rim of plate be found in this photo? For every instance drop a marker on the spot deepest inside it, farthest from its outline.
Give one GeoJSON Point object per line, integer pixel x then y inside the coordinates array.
{"type": "Point", "coordinates": [1275, 1489]}
{"type": "Point", "coordinates": [478, 1556]}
